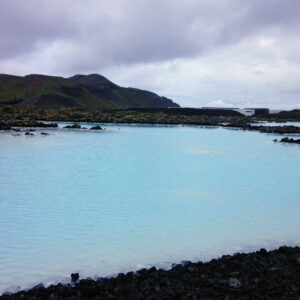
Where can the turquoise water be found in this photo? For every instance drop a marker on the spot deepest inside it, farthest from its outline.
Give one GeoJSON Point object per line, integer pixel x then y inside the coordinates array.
{"type": "Point", "coordinates": [99, 203]}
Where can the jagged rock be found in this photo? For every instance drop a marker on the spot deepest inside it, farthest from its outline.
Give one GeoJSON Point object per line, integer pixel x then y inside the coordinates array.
{"type": "Point", "coordinates": [74, 277]}
{"type": "Point", "coordinates": [261, 275]}
{"type": "Point", "coordinates": [290, 140]}
{"type": "Point", "coordinates": [97, 127]}
{"type": "Point", "coordinates": [73, 126]}
{"type": "Point", "coordinates": [28, 133]}
{"type": "Point", "coordinates": [55, 125]}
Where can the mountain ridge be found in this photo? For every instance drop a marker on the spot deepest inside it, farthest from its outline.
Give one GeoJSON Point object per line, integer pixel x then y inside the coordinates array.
{"type": "Point", "coordinates": [92, 91]}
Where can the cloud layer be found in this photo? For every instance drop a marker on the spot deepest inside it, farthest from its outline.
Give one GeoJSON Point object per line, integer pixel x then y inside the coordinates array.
{"type": "Point", "coordinates": [199, 53]}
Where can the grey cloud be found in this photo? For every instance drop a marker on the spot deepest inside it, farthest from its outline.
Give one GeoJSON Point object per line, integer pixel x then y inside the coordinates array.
{"type": "Point", "coordinates": [24, 24]}
{"type": "Point", "coordinates": [134, 31]}
{"type": "Point", "coordinates": [168, 46]}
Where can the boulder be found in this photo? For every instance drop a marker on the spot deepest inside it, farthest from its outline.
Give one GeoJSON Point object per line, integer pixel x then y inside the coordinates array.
{"type": "Point", "coordinates": [74, 277]}
{"type": "Point", "coordinates": [73, 126]}
{"type": "Point", "coordinates": [290, 140]}
{"type": "Point", "coordinates": [28, 133]}
{"type": "Point", "coordinates": [97, 127]}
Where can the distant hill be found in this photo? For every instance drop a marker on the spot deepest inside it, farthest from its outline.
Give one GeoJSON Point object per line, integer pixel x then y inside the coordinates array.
{"type": "Point", "coordinates": [82, 91]}
{"type": "Point", "coordinates": [293, 114]}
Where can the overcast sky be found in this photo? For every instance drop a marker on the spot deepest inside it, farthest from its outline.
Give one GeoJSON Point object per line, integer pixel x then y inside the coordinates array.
{"type": "Point", "coordinates": [198, 53]}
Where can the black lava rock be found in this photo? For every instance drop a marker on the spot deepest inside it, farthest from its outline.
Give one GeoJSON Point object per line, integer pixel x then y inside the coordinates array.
{"type": "Point", "coordinates": [74, 277]}
{"type": "Point", "coordinates": [290, 140]}
{"type": "Point", "coordinates": [28, 133]}
{"type": "Point", "coordinates": [259, 275]}
{"type": "Point", "coordinates": [74, 126]}
{"type": "Point", "coordinates": [97, 127]}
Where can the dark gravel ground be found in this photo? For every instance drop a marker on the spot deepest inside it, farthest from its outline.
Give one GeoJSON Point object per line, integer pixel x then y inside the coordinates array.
{"type": "Point", "coordinates": [258, 275]}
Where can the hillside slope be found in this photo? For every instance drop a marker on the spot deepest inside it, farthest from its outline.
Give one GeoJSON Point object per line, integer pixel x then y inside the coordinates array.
{"type": "Point", "coordinates": [83, 91]}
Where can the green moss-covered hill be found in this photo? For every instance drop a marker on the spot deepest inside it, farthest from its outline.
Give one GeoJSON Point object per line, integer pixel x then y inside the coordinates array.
{"type": "Point", "coordinates": [82, 91]}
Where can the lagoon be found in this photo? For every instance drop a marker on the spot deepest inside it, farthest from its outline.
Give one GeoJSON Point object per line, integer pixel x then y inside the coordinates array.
{"type": "Point", "coordinates": [99, 203]}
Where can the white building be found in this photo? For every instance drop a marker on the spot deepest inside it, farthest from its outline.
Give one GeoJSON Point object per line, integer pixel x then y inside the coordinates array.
{"type": "Point", "coordinates": [246, 111]}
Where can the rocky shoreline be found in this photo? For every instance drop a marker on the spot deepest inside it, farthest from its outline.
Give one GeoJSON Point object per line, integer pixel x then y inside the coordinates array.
{"type": "Point", "coordinates": [258, 275]}
{"type": "Point", "coordinates": [21, 124]}
{"type": "Point", "coordinates": [269, 129]}
{"type": "Point", "coordinates": [240, 125]}
{"type": "Point", "coordinates": [16, 116]}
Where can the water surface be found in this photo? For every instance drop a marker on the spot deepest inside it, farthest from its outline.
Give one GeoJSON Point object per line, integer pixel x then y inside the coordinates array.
{"type": "Point", "coordinates": [99, 203]}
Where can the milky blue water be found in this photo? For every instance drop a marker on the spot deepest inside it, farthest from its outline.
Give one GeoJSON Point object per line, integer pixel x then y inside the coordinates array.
{"type": "Point", "coordinates": [99, 203]}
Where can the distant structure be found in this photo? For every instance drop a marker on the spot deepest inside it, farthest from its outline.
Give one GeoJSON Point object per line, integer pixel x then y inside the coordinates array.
{"type": "Point", "coordinates": [189, 111]}
{"type": "Point", "coordinates": [254, 111]}
{"type": "Point", "coordinates": [211, 111]}
{"type": "Point", "coordinates": [243, 111]}
{"type": "Point", "coordinates": [246, 111]}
